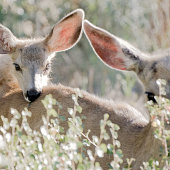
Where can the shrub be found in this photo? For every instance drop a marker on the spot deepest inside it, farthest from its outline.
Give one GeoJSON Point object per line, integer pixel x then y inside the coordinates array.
{"type": "Point", "coordinates": [53, 147]}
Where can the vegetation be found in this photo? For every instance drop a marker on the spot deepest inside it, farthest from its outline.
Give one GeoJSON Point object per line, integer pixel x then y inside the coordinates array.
{"type": "Point", "coordinates": [144, 23]}
{"type": "Point", "coordinates": [54, 147]}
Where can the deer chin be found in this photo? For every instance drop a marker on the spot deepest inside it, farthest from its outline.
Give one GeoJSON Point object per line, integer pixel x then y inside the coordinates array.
{"type": "Point", "coordinates": [26, 98]}
{"type": "Point", "coordinates": [32, 95]}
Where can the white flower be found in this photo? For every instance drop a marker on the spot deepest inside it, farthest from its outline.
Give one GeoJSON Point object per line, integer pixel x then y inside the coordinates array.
{"type": "Point", "coordinates": [89, 152]}
{"type": "Point", "coordinates": [65, 147]}
{"type": "Point", "coordinates": [43, 131]}
{"type": "Point", "coordinates": [158, 122]}
{"type": "Point", "coordinates": [156, 163]}
{"type": "Point", "coordinates": [2, 130]}
{"type": "Point", "coordinates": [158, 82]}
{"type": "Point", "coordinates": [23, 151]}
{"type": "Point", "coordinates": [13, 122]}
{"type": "Point", "coordinates": [95, 139]}
{"type": "Point", "coordinates": [45, 161]}
{"type": "Point", "coordinates": [2, 143]}
{"type": "Point", "coordinates": [40, 147]}
{"type": "Point", "coordinates": [13, 111]}
{"type": "Point", "coordinates": [71, 155]}
{"type": "Point", "coordinates": [31, 142]}
{"type": "Point", "coordinates": [49, 106]}
{"type": "Point", "coordinates": [70, 110]}
{"type": "Point", "coordinates": [28, 143]}
{"type": "Point", "coordinates": [99, 152]}
{"type": "Point", "coordinates": [55, 158]}
{"type": "Point", "coordinates": [98, 168]}
{"type": "Point", "coordinates": [27, 168]}
{"type": "Point", "coordinates": [73, 146]}
{"type": "Point", "coordinates": [40, 167]}
{"type": "Point", "coordinates": [68, 162]}
{"type": "Point", "coordinates": [3, 161]}
{"type": "Point", "coordinates": [26, 113]}
{"type": "Point", "coordinates": [8, 137]}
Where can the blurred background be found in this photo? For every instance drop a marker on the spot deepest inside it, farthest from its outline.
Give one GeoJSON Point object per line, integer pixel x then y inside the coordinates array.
{"type": "Point", "coordinates": [145, 24]}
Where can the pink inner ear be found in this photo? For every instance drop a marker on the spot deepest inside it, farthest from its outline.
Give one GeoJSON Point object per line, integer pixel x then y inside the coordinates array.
{"type": "Point", "coordinates": [6, 41]}
{"type": "Point", "coordinates": [106, 48]}
{"type": "Point", "coordinates": [65, 34]}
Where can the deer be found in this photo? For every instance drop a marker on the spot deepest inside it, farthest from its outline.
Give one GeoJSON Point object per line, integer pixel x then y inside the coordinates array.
{"type": "Point", "coordinates": [28, 61]}
{"type": "Point", "coordinates": [136, 132]}
{"type": "Point", "coordinates": [118, 54]}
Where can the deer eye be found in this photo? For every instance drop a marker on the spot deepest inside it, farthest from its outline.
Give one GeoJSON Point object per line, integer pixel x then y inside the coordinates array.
{"type": "Point", "coordinates": [17, 67]}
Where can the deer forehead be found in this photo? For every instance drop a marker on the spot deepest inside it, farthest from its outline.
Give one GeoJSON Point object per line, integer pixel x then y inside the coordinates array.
{"type": "Point", "coordinates": [32, 55]}
{"type": "Point", "coordinates": [157, 69]}
{"type": "Point", "coordinates": [162, 66]}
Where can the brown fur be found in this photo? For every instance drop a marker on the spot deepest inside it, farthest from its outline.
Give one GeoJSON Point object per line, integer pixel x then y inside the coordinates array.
{"type": "Point", "coordinates": [135, 134]}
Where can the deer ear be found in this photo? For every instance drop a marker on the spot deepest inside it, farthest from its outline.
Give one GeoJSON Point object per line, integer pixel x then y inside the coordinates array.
{"type": "Point", "coordinates": [67, 32]}
{"type": "Point", "coordinates": [113, 51]}
{"type": "Point", "coordinates": [7, 40]}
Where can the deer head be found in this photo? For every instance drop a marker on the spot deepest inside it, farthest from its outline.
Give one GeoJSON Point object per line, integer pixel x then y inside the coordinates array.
{"type": "Point", "coordinates": [32, 58]}
{"type": "Point", "coordinates": [119, 54]}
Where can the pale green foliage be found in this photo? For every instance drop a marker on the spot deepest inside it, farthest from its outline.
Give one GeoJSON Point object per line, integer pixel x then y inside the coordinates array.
{"type": "Point", "coordinates": [54, 147]}
{"type": "Point", "coordinates": [160, 117]}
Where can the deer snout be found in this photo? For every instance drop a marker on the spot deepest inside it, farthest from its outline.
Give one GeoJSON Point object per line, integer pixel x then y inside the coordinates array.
{"type": "Point", "coordinates": [33, 94]}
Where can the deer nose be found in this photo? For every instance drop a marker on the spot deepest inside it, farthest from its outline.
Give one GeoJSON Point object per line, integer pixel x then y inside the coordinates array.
{"type": "Point", "coordinates": [33, 95]}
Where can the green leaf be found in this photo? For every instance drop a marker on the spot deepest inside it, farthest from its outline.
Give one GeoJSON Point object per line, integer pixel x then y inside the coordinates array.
{"type": "Point", "coordinates": [106, 136]}
{"type": "Point", "coordinates": [52, 112]}
{"type": "Point", "coordinates": [78, 92]}
{"type": "Point", "coordinates": [32, 156]}
{"type": "Point", "coordinates": [62, 118]}
{"type": "Point", "coordinates": [78, 119]}
{"type": "Point", "coordinates": [62, 129]}
{"type": "Point", "coordinates": [79, 158]}
{"type": "Point", "coordinates": [86, 142]}
{"type": "Point", "coordinates": [74, 99]}
{"type": "Point", "coordinates": [19, 133]}
{"type": "Point", "coordinates": [83, 117]}
{"type": "Point", "coordinates": [59, 105]}
{"type": "Point", "coordinates": [115, 135]}
{"type": "Point", "coordinates": [109, 123]}
{"type": "Point", "coordinates": [97, 164]}
{"type": "Point", "coordinates": [70, 111]}
{"type": "Point", "coordinates": [119, 153]}
{"type": "Point", "coordinates": [79, 109]}
{"type": "Point", "coordinates": [79, 144]}
{"type": "Point", "coordinates": [106, 116]}
{"type": "Point", "coordinates": [117, 143]}
{"type": "Point", "coordinates": [16, 138]}
{"type": "Point", "coordinates": [81, 166]}
{"type": "Point", "coordinates": [103, 147]}
{"type": "Point", "coordinates": [116, 127]}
